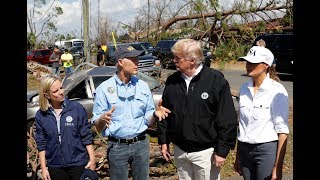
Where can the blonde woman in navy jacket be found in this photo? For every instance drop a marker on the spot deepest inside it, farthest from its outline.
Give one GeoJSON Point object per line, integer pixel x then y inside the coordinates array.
{"type": "Point", "coordinates": [63, 134]}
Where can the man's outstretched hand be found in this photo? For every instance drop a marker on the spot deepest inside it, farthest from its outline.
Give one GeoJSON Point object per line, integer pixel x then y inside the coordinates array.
{"type": "Point", "coordinates": [161, 112]}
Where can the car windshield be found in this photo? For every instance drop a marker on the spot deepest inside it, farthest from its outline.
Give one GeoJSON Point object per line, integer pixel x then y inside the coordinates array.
{"type": "Point", "coordinates": [78, 48]}
{"type": "Point", "coordinates": [111, 50]}
{"type": "Point", "coordinates": [29, 53]}
{"type": "Point", "coordinates": [147, 45]}
{"type": "Point", "coordinates": [97, 80]}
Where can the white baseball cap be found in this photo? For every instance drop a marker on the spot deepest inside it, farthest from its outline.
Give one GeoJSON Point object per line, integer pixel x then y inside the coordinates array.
{"type": "Point", "coordinates": [258, 54]}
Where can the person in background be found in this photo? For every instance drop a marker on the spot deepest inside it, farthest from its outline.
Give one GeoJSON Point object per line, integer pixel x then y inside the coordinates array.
{"type": "Point", "coordinates": [67, 61]}
{"type": "Point", "coordinates": [55, 59]}
{"type": "Point", "coordinates": [263, 121]}
{"type": "Point", "coordinates": [202, 124]}
{"type": "Point", "coordinates": [63, 134]}
{"type": "Point", "coordinates": [100, 56]}
{"type": "Point", "coordinates": [104, 47]}
{"type": "Point", "coordinates": [261, 43]}
{"type": "Point", "coordinates": [123, 109]}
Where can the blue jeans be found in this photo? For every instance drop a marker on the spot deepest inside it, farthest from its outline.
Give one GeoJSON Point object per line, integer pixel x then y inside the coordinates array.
{"type": "Point", "coordinates": [56, 71]}
{"type": "Point", "coordinates": [68, 70]}
{"type": "Point", "coordinates": [136, 154]}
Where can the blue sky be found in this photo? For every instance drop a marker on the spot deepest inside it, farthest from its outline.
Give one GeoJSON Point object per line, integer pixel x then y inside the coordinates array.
{"type": "Point", "coordinates": [122, 11]}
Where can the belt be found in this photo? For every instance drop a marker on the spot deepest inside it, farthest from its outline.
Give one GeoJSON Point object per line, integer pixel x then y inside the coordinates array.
{"type": "Point", "coordinates": [127, 141]}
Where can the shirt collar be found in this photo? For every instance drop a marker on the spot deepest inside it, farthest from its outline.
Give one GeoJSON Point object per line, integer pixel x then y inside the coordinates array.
{"type": "Point", "coordinates": [266, 84]}
{"type": "Point", "coordinates": [196, 73]}
{"type": "Point", "coordinates": [125, 90]}
{"type": "Point", "coordinates": [64, 105]}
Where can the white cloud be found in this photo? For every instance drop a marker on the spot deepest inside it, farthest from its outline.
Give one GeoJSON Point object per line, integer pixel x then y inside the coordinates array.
{"type": "Point", "coordinates": [122, 11]}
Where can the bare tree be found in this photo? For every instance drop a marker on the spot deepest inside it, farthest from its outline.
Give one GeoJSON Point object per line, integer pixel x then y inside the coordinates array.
{"type": "Point", "coordinates": [40, 21]}
{"type": "Point", "coordinates": [105, 30]}
{"type": "Point", "coordinates": [152, 15]}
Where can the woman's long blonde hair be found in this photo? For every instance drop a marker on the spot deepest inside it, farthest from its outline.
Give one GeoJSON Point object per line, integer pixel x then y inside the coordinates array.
{"type": "Point", "coordinates": [44, 88]}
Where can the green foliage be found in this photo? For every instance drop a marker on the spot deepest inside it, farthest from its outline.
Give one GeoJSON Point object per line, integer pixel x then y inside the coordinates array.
{"type": "Point", "coordinates": [51, 26]}
{"type": "Point", "coordinates": [58, 10]}
{"type": "Point", "coordinates": [70, 36]}
{"type": "Point", "coordinates": [31, 38]}
{"type": "Point", "coordinates": [198, 6]}
{"type": "Point", "coordinates": [218, 15]}
{"type": "Point", "coordinates": [224, 26]}
{"type": "Point", "coordinates": [214, 3]}
{"type": "Point", "coordinates": [261, 27]}
{"type": "Point", "coordinates": [229, 50]}
{"type": "Point", "coordinates": [287, 20]}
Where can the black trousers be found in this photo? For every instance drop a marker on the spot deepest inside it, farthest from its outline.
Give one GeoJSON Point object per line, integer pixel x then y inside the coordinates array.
{"type": "Point", "coordinates": [66, 173]}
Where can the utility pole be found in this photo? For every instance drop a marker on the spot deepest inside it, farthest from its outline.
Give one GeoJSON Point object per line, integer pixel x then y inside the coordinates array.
{"type": "Point", "coordinates": [148, 20]}
{"type": "Point", "coordinates": [86, 34]}
{"type": "Point", "coordinates": [99, 18]}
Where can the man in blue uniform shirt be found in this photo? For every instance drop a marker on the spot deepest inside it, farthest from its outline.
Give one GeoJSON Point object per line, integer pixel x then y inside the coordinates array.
{"type": "Point", "coordinates": [124, 108]}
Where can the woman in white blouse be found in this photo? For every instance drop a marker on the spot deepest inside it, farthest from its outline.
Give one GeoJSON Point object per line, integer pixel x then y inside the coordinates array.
{"type": "Point", "coordinates": [263, 122]}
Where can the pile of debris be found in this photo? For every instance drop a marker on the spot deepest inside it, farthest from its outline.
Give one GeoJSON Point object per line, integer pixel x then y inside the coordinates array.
{"type": "Point", "coordinates": [38, 70]}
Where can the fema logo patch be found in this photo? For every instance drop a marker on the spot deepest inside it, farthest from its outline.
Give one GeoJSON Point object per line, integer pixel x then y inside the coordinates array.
{"type": "Point", "coordinates": [110, 90]}
{"type": "Point", "coordinates": [69, 119]}
{"type": "Point", "coordinates": [204, 95]}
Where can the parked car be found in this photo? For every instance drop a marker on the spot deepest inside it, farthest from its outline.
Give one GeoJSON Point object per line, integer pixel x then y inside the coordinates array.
{"type": "Point", "coordinates": [41, 56]}
{"type": "Point", "coordinates": [81, 85]}
{"type": "Point", "coordinates": [281, 45]}
{"type": "Point", "coordinates": [148, 63]}
{"type": "Point", "coordinates": [77, 52]}
{"type": "Point", "coordinates": [150, 49]}
{"type": "Point", "coordinates": [163, 52]}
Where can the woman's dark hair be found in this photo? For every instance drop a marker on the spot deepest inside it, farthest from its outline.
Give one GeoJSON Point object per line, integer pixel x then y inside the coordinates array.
{"type": "Point", "coordinates": [273, 74]}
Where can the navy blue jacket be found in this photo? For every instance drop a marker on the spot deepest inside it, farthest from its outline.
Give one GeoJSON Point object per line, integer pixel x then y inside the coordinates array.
{"type": "Point", "coordinates": [75, 132]}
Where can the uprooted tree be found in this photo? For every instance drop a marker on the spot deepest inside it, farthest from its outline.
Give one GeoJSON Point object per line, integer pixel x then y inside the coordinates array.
{"type": "Point", "coordinates": [220, 24]}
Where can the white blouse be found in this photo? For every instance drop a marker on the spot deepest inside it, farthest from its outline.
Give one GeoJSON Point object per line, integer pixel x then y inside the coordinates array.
{"type": "Point", "coordinates": [264, 115]}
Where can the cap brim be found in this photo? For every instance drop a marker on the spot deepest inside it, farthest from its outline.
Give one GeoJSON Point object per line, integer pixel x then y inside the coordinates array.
{"type": "Point", "coordinates": [251, 59]}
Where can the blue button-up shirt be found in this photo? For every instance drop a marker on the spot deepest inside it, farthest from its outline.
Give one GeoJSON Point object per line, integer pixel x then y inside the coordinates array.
{"type": "Point", "coordinates": [133, 106]}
